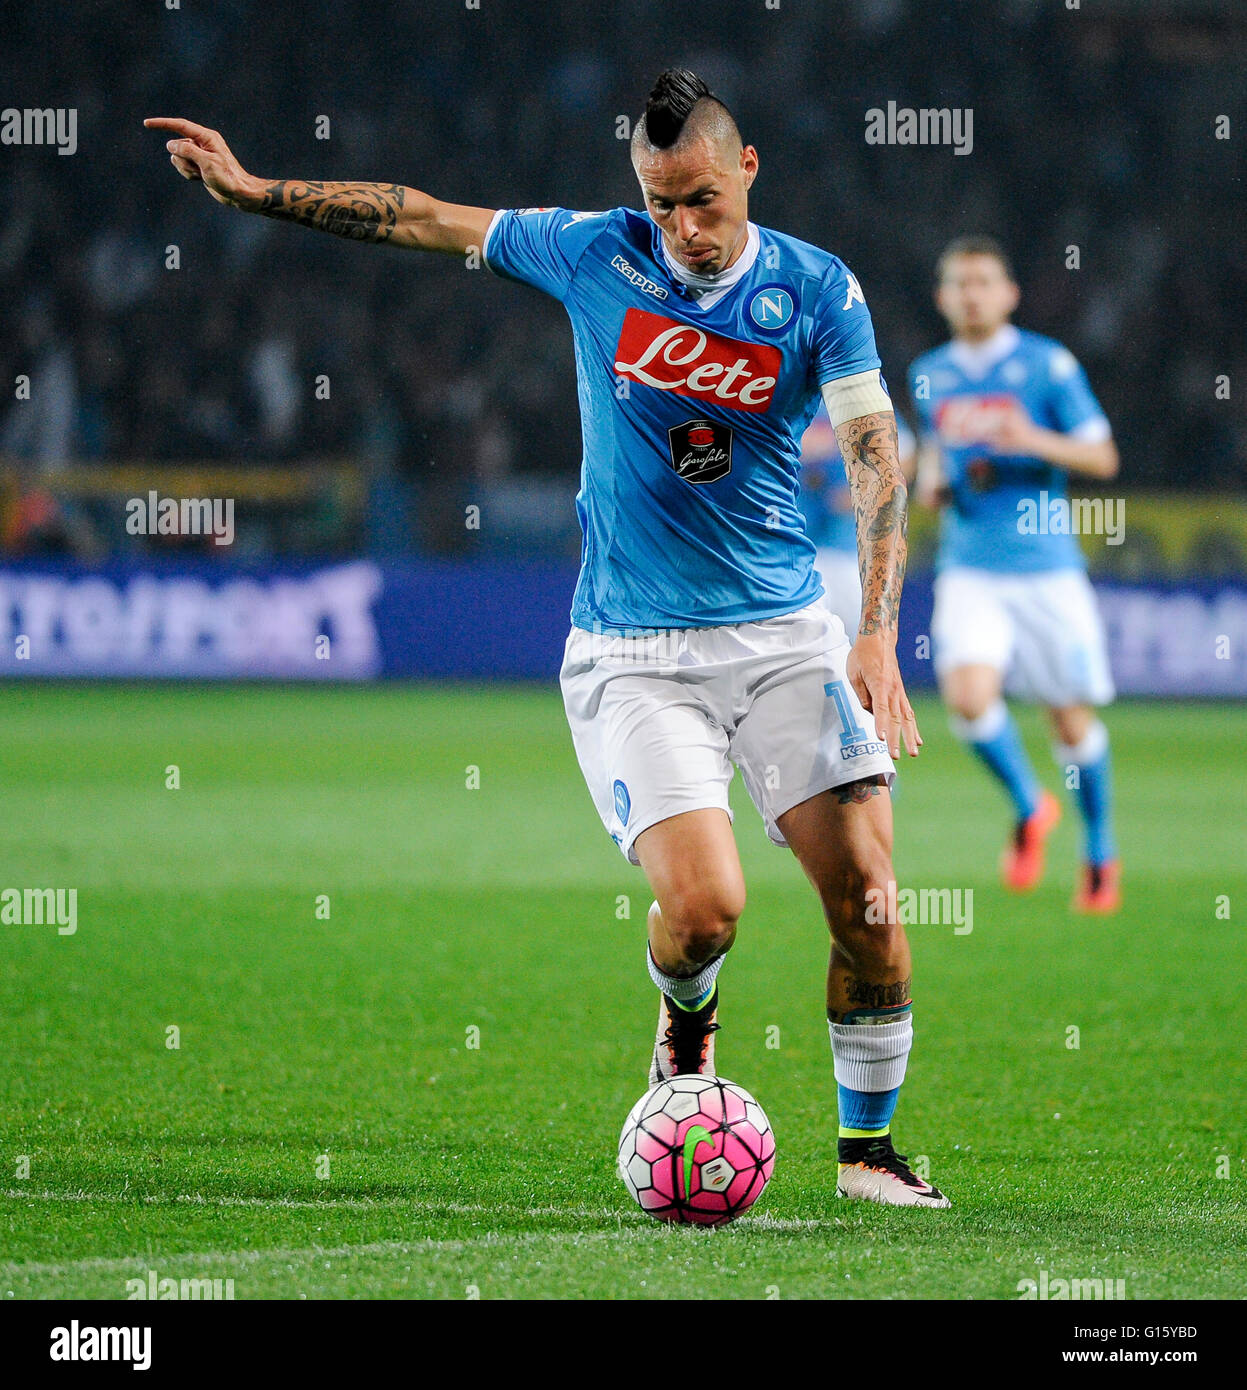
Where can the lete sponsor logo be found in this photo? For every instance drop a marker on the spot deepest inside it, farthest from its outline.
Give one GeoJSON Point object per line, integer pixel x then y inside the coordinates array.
{"type": "Point", "coordinates": [672, 356]}
{"type": "Point", "coordinates": [964, 420]}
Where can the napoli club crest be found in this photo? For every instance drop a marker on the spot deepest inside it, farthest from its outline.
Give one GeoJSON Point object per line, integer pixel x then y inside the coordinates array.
{"type": "Point", "coordinates": [701, 450]}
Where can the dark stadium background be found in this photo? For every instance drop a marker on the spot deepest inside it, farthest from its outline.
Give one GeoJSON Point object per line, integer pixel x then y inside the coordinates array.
{"type": "Point", "coordinates": [1093, 127]}
{"type": "Point", "coordinates": [355, 1000]}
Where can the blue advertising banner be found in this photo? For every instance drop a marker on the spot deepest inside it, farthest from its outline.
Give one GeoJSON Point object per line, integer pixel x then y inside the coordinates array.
{"type": "Point", "coordinates": [474, 619]}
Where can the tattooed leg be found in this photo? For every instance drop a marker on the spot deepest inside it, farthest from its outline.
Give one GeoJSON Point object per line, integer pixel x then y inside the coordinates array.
{"type": "Point", "coordinates": [843, 841]}
{"type": "Point", "coordinates": [861, 790]}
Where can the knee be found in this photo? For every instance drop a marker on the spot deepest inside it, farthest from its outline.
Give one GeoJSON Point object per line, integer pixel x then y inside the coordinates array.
{"type": "Point", "coordinates": [701, 923]}
{"type": "Point", "coordinates": [1071, 724]}
{"type": "Point", "coordinates": [966, 712]}
{"type": "Point", "coordinates": [970, 692]}
{"type": "Point", "coordinates": [862, 912]}
{"type": "Point", "coordinates": [969, 706]}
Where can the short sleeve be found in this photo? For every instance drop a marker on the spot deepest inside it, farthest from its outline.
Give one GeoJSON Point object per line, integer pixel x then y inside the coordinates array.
{"type": "Point", "coordinates": [1071, 399]}
{"type": "Point", "coordinates": [844, 337]}
{"type": "Point", "coordinates": [537, 246]}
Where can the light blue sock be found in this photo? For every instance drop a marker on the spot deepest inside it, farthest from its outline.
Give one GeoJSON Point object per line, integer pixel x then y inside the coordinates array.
{"type": "Point", "coordinates": [1091, 762]}
{"type": "Point", "coordinates": [866, 1112]}
{"type": "Point", "coordinates": [995, 740]}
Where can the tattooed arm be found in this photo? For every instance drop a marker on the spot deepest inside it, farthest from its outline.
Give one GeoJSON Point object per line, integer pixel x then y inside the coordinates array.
{"type": "Point", "coordinates": [871, 459]}
{"type": "Point", "coordinates": [358, 211]}
{"type": "Point", "coordinates": [869, 448]}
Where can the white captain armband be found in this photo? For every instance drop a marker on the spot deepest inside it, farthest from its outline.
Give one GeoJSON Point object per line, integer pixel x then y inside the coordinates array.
{"type": "Point", "coordinates": [851, 396]}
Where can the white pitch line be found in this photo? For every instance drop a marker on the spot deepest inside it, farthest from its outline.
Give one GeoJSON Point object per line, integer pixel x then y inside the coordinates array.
{"type": "Point", "coordinates": [230, 1258]}
{"type": "Point", "coordinates": [627, 1228]}
{"type": "Point", "coordinates": [762, 1221]}
{"type": "Point", "coordinates": [197, 1199]}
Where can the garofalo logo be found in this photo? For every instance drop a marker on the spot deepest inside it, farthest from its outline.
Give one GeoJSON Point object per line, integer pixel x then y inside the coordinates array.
{"type": "Point", "coordinates": [701, 450]}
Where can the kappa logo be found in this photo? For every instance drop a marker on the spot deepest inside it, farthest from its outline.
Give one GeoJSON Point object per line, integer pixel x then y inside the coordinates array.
{"type": "Point", "coordinates": [854, 293]}
{"type": "Point", "coordinates": [701, 450]}
{"type": "Point", "coordinates": [673, 356]}
{"type": "Point", "coordinates": [642, 282]}
{"type": "Point", "coordinates": [868, 749]}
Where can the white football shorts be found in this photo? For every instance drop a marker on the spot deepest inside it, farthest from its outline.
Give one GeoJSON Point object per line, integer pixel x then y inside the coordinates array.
{"type": "Point", "coordinates": [842, 585]}
{"type": "Point", "coordinates": [1041, 631]}
{"type": "Point", "coordinates": [659, 721]}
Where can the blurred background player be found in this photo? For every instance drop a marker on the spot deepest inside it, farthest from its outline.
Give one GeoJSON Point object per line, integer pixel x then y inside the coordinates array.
{"type": "Point", "coordinates": [827, 506]}
{"type": "Point", "coordinates": [1006, 417]}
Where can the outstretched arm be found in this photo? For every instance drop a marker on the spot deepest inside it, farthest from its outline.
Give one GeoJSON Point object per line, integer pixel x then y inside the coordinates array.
{"type": "Point", "coordinates": [357, 211]}
{"type": "Point", "coordinates": [871, 459]}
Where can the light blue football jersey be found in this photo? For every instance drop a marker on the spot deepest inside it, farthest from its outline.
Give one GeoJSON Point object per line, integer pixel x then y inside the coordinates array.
{"type": "Point", "coordinates": [692, 414]}
{"type": "Point", "coordinates": [983, 524]}
{"type": "Point", "coordinates": [824, 498]}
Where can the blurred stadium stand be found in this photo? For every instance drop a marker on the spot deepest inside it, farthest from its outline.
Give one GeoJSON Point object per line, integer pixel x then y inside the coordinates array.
{"type": "Point", "coordinates": [449, 387]}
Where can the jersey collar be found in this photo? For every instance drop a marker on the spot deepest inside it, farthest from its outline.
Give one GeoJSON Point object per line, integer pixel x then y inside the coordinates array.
{"type": "Point", "coordinates": [706, 290]}
{"type": "Point", "coordinates": [977, 359]}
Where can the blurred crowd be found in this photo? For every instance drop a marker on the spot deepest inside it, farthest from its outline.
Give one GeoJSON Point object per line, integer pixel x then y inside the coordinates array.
{"type": "Point", "coordinates": [1090, 130]}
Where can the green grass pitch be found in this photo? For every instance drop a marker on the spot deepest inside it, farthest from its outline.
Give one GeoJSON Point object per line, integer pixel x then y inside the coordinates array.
{"type": "Point", "coordinates": [454, 1170]}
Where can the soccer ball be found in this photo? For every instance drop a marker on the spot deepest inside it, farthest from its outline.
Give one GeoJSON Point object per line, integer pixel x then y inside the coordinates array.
{"type": "Point", "coordinates": [696, 1149]}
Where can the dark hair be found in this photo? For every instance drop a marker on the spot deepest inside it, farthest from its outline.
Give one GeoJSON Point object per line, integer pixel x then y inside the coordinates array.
{"type": "Point", "coordinates": [671, 101]}
{"type": "Point", "coordinates": [973, 246]}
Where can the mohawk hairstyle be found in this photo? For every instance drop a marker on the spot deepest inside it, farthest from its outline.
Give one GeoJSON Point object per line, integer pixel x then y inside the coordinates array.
{"type": "Point", "coordinates": [670, 103]}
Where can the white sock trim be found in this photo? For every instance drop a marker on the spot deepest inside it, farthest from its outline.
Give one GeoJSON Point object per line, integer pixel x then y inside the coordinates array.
{"type": "Point", "coordinates": [871, 1056]}
{"type": "Point", "coordinates": [1093, 747]}
{"type": "Point", "coordinates": [692, 987]}
{"type": "Point", "coordinates": [985, 727]}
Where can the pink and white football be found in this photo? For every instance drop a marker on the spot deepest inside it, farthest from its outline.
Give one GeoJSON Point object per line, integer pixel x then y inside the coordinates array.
{"type": "Point", "coordinates": [696, 1149]}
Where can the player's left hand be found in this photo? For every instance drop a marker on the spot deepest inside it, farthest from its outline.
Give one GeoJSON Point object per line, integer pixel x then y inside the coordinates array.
{"type": "Point", "coordinates": [875, 676]}
{"type": "Point", "coordinates": [1013, 431]}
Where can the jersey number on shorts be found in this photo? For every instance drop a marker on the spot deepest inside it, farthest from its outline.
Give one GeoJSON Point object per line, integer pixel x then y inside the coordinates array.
{"type": "Point", "coordinates": [851, 731]}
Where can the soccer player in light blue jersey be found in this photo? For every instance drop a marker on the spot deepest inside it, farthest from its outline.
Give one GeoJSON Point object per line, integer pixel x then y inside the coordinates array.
{"type": "Point", "coordinates": [1007, 417]}
{"type": "Point", "coordinates": [698, 640]}
{"type": "Point", "coordinates": [826, 503]}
